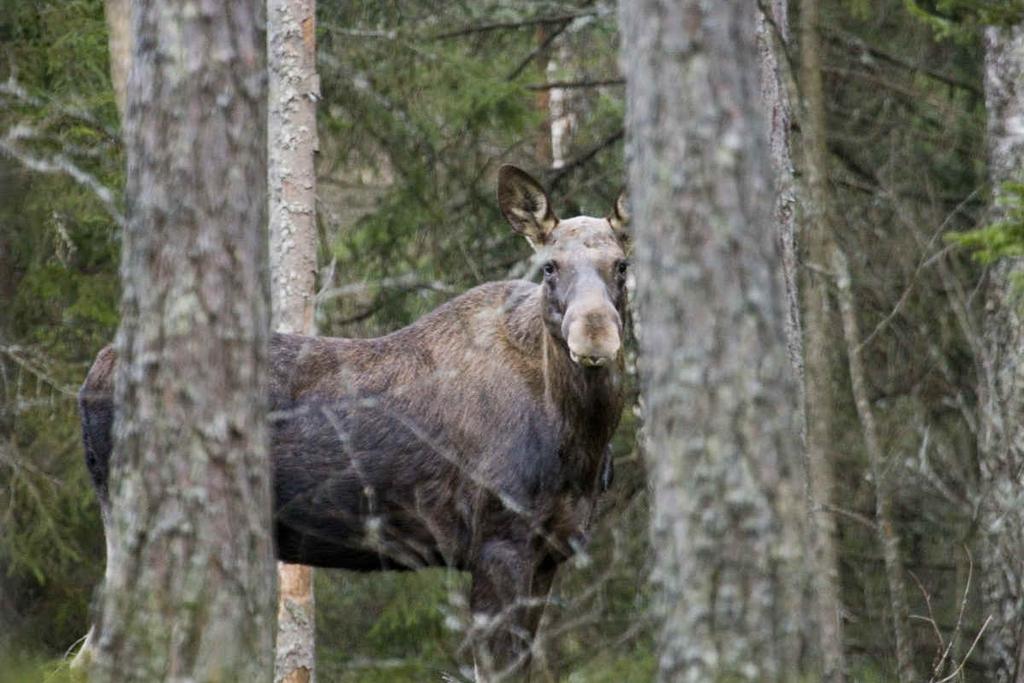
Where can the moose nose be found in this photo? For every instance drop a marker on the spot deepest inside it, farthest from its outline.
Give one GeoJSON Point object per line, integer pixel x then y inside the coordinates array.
{"type": "Point", "coordinates": [593, 335]}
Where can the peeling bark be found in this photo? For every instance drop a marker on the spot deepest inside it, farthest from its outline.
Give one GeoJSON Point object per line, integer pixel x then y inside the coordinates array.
{"type": "Point", "coordinates": [1002, 427]}
{"type": "Point", "coordinates": [291, 135]}
{"type": "Point", "coordinates": [716, 383]}
{"type": "Point", "coordinates": [292, 141]}
{"type": "Point", "coordinates": [189, 588]}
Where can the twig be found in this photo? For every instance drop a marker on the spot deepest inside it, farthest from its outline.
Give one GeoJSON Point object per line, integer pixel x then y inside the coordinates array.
{"type": "Point", "coordinates": [523, 23]}
{"type": "Point", "coordinates": [582, 159]}
{"type": "Point", "coordinates": [967, 656]}
{"type": "Point", "coordinates": [576, 84]}
{"type": "Point", "coordinates": [959, 616]}
{"type": "Point", "coordinates": [410, 281]}
{"type": "Point", "coordinates": [858, 44]}
{"type": "Point", "coordinates": [855, 516]}
{"type": "Point", "coordinates": [550, 38]}
{"type": "Point", "coordinates": [931, 614]}
{"type": "Point", "coordinates": [922, 264]}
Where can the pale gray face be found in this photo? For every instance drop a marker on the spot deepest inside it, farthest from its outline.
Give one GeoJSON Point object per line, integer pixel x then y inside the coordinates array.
{"type": "Point", "coordinates": [585, 288]}
{"type": "Point", "coordinates": [584, 268]}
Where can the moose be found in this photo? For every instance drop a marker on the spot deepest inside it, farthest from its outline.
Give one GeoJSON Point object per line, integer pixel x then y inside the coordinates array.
{"type": "Point", "coordinates": [476, 438]}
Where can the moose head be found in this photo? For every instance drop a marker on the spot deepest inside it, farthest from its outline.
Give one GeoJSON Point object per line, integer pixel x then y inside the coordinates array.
{"type": "Point", "coordinates": [584, 268]}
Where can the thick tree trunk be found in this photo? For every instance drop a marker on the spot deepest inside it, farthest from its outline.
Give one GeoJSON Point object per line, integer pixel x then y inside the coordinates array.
{"type": "Point", "coordinates": [1002, 433]}
{"type": "Point", "coordinates": [189, 590]}
{"type": "Point", "coordinates": [716, 383]}
{"type": "Point", "coordinates": [292, 141]}
{"type": "Point", "coordinates": [813, 382]}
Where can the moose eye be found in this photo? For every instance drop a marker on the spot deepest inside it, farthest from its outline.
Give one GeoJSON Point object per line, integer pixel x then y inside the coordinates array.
{"type": "Point", "coordinates": [621, 267]}
{"type": "Point", "coordinates": [549, 268]}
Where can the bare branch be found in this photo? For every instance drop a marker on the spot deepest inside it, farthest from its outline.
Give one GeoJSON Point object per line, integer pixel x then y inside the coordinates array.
{"type": "Point", "coordinates": [522, 23]}
{"type": "Point", "coordinates": [577, 84]}
{"type": "Point", "coordinates": [557, 178]}
{"type": "Point", "coordinates": [58, 164]}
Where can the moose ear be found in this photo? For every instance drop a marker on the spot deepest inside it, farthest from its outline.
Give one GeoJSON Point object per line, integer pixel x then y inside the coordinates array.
{"type": "Point", "coordinates": [525, 204]}
{"type": "Point", "coordinates": [619, 218]}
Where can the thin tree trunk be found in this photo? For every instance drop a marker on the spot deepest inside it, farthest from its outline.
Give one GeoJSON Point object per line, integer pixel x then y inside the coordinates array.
{"type": "Point", "coordinates": [883, 484]}
{"type": "Point", "coordinates": [119, 43]}
{"type": "Point", "coordinates": [716, 383]}
{"type": "Point", "coordinates": [815, 362]}
{"type": "Point", "coordinates": [1002, 427]}
{"type": "Point", "coordinates": [773, 39]}
{"type": "Point", "coordinates": [542, 100]}
{"type": "Point", "coordinates": [821, 252]}
{"type": "Point", "coordinates": [292, 141]}
{"type": "Point", "coordinates": [189, 590]}
{"type": "Point", "coordinates": [560, 114]}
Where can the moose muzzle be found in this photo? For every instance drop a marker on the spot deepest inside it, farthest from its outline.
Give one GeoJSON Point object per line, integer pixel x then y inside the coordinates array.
{"type": "Point", "coordinates": [592, 330]}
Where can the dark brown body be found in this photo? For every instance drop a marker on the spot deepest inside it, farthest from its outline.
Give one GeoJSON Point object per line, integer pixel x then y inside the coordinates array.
{"type": "Point", "coordinates": [422, 447]}
{"type": "Point", "coordinates": [471, 439]}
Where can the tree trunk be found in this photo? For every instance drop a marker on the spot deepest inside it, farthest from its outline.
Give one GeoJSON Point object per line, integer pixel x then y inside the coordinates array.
{"type": "Point", "coordinates": [1002, 432]}
{"type": "Point", "coordinates": [292, 142]}
{"type": "Point", "coordinates": [119, 43]}
{"type": "Point", "coordinates": [560, 116]}
{"type": "Point", "coordinates": [189, 589]}
{"type": "Point", "coordinates": [816, 364]}
{"type": "Point", "coordinates": [716, 383]}
{"type": "Point", "coordinates": [822, 253]}
{"type": "Point", "coordinates": [891, 555]}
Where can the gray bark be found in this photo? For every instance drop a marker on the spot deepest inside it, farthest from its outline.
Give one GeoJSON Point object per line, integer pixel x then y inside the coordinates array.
{"type": "Point", "coordinates": [716, 383]}
{"type": "Point", "coordinates": [189, 591]}
{"type": "Point", "coordinates": [776, 88]}
{"type": "Point", "coordinates": [773, 38]}
{"type": "Point", "coordinates": [292, 141]}
{"type": "Point", "coordinates": [1002, 432]}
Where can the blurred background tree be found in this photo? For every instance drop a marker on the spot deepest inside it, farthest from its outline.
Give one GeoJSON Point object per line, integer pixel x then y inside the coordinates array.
{"type": "Point", "coordinates": [420, 104]}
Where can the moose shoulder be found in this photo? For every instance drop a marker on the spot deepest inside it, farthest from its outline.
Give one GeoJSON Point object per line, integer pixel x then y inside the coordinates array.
{"type": "Point", "coordinates": [475, 438]}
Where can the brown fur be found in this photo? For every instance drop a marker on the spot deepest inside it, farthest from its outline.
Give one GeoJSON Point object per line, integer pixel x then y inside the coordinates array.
{"type": "Point", "coordinates": [469, 439]}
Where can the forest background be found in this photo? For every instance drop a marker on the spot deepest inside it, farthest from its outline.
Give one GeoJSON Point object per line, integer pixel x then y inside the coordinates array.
{"type": "Point", "coordinates": [419, 105]}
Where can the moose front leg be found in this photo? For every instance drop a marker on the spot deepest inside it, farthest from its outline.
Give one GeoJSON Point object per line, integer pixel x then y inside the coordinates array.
{"type": "Point", "coordinates": [509, 589]}
{"type": "Point", "coordinates": [540, 591]}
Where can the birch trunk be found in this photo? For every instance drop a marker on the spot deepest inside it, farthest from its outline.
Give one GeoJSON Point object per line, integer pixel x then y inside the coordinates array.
{"type": "Point", "coordinates": [716, 383]}
{"type": "Point", "coordinates": [119, 44]}
{"type": "Point", "coordinates": [190, 584]}
{"type": "Point", "coordinates": [292, 142]}
{"type": "Point", "coordinates": [560, 113]}
{"type": "Point", "coordinates": [1002, 433]}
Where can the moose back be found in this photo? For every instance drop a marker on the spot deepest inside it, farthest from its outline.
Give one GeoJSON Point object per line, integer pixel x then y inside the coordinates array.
{"type": "Point", "coordinates": [475, 438]}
